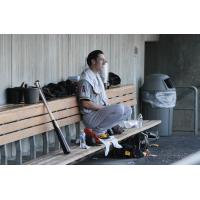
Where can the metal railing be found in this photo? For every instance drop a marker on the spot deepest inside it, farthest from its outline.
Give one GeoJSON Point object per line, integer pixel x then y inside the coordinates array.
{"type": "Point", "coordinates": [194, 109]}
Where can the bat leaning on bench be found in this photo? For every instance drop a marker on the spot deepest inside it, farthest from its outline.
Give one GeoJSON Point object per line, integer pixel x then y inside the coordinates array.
{"type": "Point", "coordinates": [65, 147]}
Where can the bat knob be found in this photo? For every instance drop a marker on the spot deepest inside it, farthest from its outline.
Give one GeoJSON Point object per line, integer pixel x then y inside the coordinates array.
{"type": "Point", "coordinates": [37, 83]}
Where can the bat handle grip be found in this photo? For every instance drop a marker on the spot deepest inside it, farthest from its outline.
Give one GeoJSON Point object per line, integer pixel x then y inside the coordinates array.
{"type": "Point", "coordinates": [37, 83]}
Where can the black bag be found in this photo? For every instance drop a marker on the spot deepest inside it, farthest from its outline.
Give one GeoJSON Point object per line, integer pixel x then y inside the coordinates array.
{"type": "Point", "coordinates": [140, 141]}
{"type": "Point", "coordinates": [125, 152]}
{"type": "Point", "coordinates": [61, 89]}
{"type": "Point", "coordinates": [48, 93]}
{"type": "Point", "coordinates": [71, 87]}
{"type": "Point", "coordinates": [113, 79]}
{"type": "Point", "coordinates": [132, 148]}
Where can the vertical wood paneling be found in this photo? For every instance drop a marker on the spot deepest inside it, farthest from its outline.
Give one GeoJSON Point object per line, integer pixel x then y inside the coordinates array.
{"type": "Point", "coordinates": [139, 43]}
{"type": "Point", "coordinates": [81, 45]}
{"type": "Point", "coordinates": [127, 56]}
{"type": "Point", "coordinates": [122, 57]}
{"type": "Point", "coordinates": [101, 42]}
{"type": "Point", "coordinates": [5, 65]}
{"type": "Point", "coordinates": [43, 57]}
{"type": "Point", "coordinates": [51, 58]}
{"type": "Point", "coordinates": [77, 53]}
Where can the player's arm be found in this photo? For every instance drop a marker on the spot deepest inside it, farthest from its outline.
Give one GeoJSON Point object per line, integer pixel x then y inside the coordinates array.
{"type": "Point", "coordinates": [90, 105]}
{"type": "Point", "coordinates": [85, 91]}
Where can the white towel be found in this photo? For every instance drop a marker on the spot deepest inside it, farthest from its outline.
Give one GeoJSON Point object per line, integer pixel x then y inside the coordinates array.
{"type": "Point", "coordinates": [108, 142]}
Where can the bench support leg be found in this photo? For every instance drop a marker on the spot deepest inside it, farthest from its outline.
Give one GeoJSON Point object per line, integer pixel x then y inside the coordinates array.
{"type": "Point", "coordinates": [32, 147]}
{"type": "Point", "coordinates": [4, 155]}
{"type": "Point", "coordinates": [18, 145]}
{"type": "Point", "coordinates": [133, 113]}
{"type": "Point", "coordinates": [45, 137]}
{"type": "Point", "coordinates": [57, 143]}
{"type": "Point", "coordinates": [77, 130]}
{"type": "Point", "coordinates": [67, 134]}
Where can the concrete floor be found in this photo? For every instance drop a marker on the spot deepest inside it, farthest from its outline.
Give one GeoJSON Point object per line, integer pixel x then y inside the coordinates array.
{"type": "Point", "coordinates": [171, 149]}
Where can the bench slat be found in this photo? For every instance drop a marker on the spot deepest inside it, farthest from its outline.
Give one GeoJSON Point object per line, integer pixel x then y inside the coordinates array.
{"type": "Point", "coordinates": [10, 107]}
{"type": "Point", "coordinates": [18, 135]}
{"type": "Point", "coordinates": [122, 99]}
{"type": "Point", "coordinates": [131, 102]}
{"type": "Point", "coordinates": [34, 121]}
{"type": "Point", "coordinates": [120, 91]}
{"type": "Point", "coordinates": [27, 111]}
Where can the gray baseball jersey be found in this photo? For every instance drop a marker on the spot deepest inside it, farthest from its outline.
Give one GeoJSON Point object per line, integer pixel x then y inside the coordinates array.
{"type": "Point", "coordinates": [86, 91]}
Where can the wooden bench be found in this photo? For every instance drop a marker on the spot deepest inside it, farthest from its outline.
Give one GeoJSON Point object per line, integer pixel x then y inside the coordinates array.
{"type": "Point", "coordinates": [26, 121]}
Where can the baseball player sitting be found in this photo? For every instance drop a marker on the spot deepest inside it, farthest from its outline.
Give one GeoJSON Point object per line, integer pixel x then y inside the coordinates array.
{"type": "Point", "coordinates": [97, 114]}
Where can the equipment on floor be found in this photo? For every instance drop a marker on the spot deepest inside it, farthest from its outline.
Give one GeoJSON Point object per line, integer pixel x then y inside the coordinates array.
{"type": "Point", "coordinates": [152, 136]}
{"type": "Point", "coordinates": [135, 147]}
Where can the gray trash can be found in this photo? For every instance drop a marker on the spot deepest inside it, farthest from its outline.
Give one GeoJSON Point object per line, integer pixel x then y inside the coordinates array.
{"type": "Point", "coordinates": [158, 101]}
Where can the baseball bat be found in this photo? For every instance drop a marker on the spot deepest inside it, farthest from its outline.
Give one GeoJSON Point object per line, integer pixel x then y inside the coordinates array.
{"type": "Point", "coordinates": [65, 147]}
